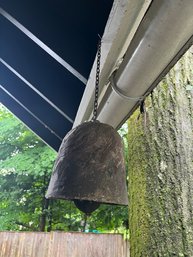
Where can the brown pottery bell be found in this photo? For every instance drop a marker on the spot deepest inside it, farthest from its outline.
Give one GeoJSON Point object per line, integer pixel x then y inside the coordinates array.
{"type": "Point", "coordinates": [90, 168]}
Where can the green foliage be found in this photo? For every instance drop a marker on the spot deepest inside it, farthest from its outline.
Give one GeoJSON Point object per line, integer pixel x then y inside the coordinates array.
{"type": "Point", "coordinates": [25, 169]}
{"type": "Point", "coordinates": [109, 218]}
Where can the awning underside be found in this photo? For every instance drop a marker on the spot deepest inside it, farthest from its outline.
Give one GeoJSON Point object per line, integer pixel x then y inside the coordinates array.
{"type": "Point", "coordinates": [47, 49]}
{"type": "Point", "coordinates": [48, 58]}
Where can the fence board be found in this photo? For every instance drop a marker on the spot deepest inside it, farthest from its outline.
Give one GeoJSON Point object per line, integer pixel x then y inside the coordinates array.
{"type": "Point", "coordinates": [61, 244]}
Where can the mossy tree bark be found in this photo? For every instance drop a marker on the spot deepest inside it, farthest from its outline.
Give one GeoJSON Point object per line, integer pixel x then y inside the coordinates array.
{"type": "Point", "coordinates": [160, 160]}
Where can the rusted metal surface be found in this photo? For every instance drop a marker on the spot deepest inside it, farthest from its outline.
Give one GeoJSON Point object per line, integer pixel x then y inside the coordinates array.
{"type": "Point", "coordinates": [60, 244]}
{"type": "Point", "coordinates": [90, 166]}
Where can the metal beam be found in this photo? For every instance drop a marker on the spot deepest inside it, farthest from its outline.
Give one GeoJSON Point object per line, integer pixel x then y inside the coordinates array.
{"type": "Point", "coordinates": [35, 90]}
{"type": "Point", "coordinates": [43, 46]}
{"type": "Point", "coordinates": [31, 113]}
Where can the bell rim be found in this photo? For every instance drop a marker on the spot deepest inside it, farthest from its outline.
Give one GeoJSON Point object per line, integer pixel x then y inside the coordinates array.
{"type": "Point", "coordinates": [105, 201]}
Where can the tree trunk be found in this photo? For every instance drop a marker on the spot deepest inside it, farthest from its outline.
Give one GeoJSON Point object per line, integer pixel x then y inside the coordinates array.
{"type": "Point", "coordinates": [44, 214]}
{"type": "Point", "coordinates": [50, 216]}
{"type": "Point", "coordinates": [160, 161]}
{"type": "Point", "coordinates": [45, 204]}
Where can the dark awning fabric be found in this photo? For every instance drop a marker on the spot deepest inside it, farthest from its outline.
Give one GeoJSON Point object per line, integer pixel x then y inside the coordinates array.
{"type": "Point", "coordinates": [47, 49]}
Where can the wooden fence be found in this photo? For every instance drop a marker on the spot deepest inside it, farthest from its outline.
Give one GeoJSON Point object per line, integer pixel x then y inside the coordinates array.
{"type": "Point", "coordinates": [60, 244]}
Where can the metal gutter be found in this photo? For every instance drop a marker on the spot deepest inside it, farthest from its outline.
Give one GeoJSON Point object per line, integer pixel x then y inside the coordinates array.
{"type": "Point", "coordinates": [162, 36]}
{"type": "Point", "coordinates": [122, 24]}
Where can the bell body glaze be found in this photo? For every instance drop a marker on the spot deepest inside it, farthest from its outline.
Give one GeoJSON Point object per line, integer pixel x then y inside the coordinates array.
{"type": "Point", "coordinates": [90, 166]}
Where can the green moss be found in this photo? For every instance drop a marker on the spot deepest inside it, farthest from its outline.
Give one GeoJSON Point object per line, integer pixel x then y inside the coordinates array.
{"type": "Point", "coordinates": [160, 173]}
{"type": "Point", "coordinates": [137, 188]}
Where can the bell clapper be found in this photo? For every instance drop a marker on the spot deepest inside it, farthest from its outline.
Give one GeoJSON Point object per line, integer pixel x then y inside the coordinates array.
{"type": "Point", "coordinates": [86, 206]}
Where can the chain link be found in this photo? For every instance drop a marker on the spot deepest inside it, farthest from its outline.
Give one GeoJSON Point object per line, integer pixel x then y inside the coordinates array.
{"type": "Point", "coordinates": [95, 110]}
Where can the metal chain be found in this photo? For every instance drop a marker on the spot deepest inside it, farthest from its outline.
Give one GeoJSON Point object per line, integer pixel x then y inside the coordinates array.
{"type": "Point", "coordinates": [95, 110]}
